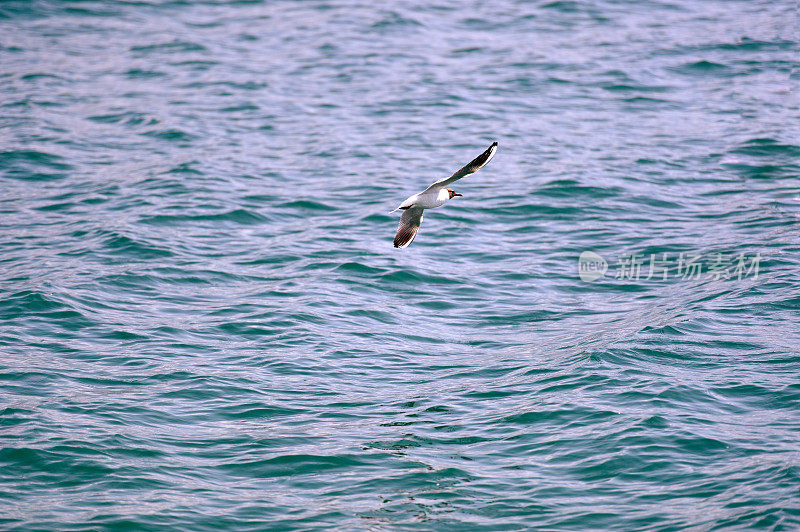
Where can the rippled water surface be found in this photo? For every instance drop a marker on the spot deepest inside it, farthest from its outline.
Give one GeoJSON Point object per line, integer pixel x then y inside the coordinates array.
{"type": "Point", "coordinates": [204, 324]}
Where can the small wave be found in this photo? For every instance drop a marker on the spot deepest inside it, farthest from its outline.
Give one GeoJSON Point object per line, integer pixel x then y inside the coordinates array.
{"type": "Point", "coordinates": [171, 47]}
{"type": "Point", "coordinates": [238, 216]}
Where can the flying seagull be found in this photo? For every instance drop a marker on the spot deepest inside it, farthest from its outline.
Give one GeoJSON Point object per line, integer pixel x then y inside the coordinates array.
{"type": "Point", "coordinates": [434, 196]}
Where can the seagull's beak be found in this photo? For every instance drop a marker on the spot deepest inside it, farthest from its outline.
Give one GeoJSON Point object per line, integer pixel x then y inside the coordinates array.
{"type": "Point", "coordinates": [457, 194]}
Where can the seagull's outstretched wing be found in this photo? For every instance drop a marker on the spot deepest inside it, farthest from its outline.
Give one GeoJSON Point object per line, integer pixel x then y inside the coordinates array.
{"type": "Point", "coordinates": [479, 162]}
{"type": "Point", "coordinates": [409, 225]}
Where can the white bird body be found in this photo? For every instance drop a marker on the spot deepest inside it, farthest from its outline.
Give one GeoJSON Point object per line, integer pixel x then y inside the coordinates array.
{"type": "Point", "coordinates": [434, 196]}
{"type": "Point", "coordinates": [429, 199]}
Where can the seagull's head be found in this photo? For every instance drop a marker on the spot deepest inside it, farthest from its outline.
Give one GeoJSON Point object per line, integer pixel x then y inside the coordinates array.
{"type": "Point", "coordinates": [452, 193]}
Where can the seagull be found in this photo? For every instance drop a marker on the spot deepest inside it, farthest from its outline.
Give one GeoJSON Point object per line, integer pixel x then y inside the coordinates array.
{"type": "Point", "coordinates": [434, 196]}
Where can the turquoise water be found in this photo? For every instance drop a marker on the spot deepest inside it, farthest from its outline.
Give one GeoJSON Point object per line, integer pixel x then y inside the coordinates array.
{"type": "Point", "coordinates": [204, 324]}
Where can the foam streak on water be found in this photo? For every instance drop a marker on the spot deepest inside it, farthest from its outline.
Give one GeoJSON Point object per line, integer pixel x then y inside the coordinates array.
{"type": "Point", "coordinates": [204, 325]}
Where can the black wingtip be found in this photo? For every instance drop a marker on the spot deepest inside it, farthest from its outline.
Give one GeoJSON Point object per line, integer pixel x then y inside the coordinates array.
{"type": "Point", "coordinates": [493, 144]}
